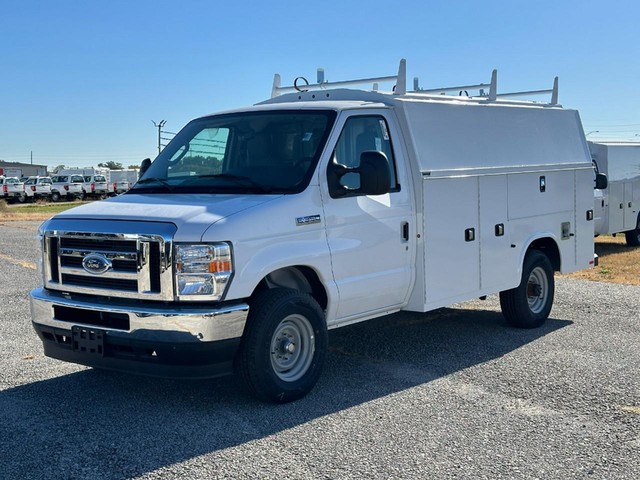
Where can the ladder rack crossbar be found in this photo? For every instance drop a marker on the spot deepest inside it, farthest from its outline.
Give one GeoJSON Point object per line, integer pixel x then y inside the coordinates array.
{"type": "Point", "coordinates": [452, 89]}
{"type": "Point", "coordinates": [344, 83]}
{"type": "Point", "coordinates": [400, 82]}
{"type": "Point", "coordinates": [530, 92]}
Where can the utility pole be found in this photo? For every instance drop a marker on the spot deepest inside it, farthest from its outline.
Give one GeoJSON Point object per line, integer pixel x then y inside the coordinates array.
{"type": "Point", "coordinates": [159, 126]}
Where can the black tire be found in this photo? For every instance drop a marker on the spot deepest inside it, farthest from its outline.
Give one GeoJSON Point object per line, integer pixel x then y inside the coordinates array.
{"type": "Point", "coordinates": [529, 304]}
{"type": "Point", "coordinates": [633, 236]}
{"type": "Point", "coordinates": [22, 198]}
{"type": "Point", "coordinates": [283, 347]}
{"type": "Point", "coordinates": [55, 196]}
{"type": "Point", "coordinates": [82, 196]}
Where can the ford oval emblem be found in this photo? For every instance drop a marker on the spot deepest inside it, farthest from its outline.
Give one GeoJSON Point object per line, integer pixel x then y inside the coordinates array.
{"type": "Point", "coordinates": [96, 263]}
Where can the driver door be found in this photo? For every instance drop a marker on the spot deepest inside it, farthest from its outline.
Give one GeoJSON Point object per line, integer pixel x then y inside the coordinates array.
{"type": "Point", "coordinates": [370, 237]}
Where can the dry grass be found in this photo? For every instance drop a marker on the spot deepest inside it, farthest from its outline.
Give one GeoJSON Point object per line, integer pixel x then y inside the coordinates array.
{"type": "Point", "coordinates": [618, 263]}
{"type": "Point", "coordinates": [38, 211]}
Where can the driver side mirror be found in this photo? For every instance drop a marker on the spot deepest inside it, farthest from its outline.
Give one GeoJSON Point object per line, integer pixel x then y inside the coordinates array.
{"type": "Point", "coordinates": [601, 181]}
{"type": "Point", "coordinates": [373, 173]}
{"type": "Point", "coordinates": [144, 166]}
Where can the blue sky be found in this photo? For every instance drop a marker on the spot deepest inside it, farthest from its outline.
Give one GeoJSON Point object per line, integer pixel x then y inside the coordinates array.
{"type": "Point", "coordinates": [81, 81]}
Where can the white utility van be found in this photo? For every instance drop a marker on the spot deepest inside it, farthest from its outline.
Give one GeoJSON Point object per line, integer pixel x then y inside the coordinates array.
{"type": "Point", "coordinates": [123, 180]}
{"type": "Point", "coordinates": [617, 207]}
{"type": "Point", "coordinates": [256, 230]}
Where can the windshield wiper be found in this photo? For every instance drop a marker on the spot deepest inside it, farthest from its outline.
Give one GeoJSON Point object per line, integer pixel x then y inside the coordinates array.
{"type": "Point", "coordinates": [241, 180]}
{"type": "Point", "coordinates": [161, 181]}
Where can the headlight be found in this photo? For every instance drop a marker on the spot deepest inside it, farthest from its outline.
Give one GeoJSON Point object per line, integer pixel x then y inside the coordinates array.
{"type": "Point", "coordinates": [202, 271]}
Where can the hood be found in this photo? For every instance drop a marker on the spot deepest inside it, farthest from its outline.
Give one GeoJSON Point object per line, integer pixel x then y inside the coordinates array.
{"type": "Point", "coordinates": [192, 214]}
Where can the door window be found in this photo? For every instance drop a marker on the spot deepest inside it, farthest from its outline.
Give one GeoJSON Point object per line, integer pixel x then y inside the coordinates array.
{"type": "Point", "coordinates": [361, 134]}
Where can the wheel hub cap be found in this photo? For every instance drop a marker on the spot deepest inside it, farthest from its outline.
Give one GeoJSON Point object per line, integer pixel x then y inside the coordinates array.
{"type": "Point", "coordinates": [292, 348]}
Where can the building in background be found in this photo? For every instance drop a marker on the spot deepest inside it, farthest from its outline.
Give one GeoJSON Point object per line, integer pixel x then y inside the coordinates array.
{"type": "Point", "coordinates": [15, 169]}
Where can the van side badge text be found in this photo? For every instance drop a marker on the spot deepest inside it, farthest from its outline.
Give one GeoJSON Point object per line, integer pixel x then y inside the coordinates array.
{"type": "Point", "coordinates": [308, 220]}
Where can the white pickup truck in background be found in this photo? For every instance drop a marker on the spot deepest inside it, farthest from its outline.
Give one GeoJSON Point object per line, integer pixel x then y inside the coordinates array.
{"type": "Point", "coordinates": [67, 187]}
{"type": "Point", "coordinates": [255, 231]}
{"type": "Point", "coordinates": [12, 189]}
{"type": "Point", "coordinates": [96, 186]}
{"type": "Point", "coordinates": [37, 188]}
{"type": "Point", "coordinates": [617, 207]}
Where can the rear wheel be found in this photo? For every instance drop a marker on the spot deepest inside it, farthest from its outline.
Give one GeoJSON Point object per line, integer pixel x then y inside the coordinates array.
{"type": "Point", "coordinates": [55, 196]}
{"type": "Point", "coordinates": [529, 304]}
{"type": "Point", "coordinates": [283, 347]}
{"type": "Point", "coordinates": [633, 236]}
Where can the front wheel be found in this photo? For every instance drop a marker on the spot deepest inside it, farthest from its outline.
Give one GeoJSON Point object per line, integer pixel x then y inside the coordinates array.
{"type": "Point", "coordinates": [633, 236]}
{"type": "Point", "coordinates": [283, 347]}
{"type": "Point", "coordinates": [529, 304]}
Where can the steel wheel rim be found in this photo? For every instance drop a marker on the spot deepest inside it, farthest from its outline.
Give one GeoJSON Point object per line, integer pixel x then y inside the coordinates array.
{"type": "Point", "coordinates": [292, 348]}
{"type": "Point", "coordinates": [537, 290]}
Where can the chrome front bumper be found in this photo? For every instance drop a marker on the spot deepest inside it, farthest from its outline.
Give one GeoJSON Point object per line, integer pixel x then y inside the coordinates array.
{"type": "Point", "coordinates": [145, 322]}
{"type": "Point", "coordinates": [175, 341]}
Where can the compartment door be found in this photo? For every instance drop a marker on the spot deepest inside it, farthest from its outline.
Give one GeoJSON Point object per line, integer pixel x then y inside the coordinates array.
{"type": "Point", "coordinates": [451, 234]}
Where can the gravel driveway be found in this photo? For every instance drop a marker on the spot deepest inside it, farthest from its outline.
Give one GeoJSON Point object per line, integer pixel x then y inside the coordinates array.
{"type": "Point", "coordinates": [451, 394]}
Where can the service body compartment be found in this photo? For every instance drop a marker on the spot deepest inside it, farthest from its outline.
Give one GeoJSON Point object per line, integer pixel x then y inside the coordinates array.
{"type": "Point", "coordinates": [617, 207]}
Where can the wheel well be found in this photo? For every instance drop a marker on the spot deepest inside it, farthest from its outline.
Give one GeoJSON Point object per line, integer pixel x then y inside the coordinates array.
{"type": "Point", "coordinates": [299, 278]}
{"type": "Point", "coordinates": [550, 249]}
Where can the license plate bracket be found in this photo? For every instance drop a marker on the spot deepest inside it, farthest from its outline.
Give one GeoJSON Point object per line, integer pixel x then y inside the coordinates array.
{"type": "Point", "coordinates": [88, 340]}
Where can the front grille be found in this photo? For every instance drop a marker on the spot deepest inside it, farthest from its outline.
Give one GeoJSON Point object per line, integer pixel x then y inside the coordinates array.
{"type": "Point", "coordinates": [99, 282]}
{"type": "Point", "coordinates": [118, 265]}
{"type": "Point", "coordinates": [105, 245]}
{"type": "Point", "coordinates": [134, 262]}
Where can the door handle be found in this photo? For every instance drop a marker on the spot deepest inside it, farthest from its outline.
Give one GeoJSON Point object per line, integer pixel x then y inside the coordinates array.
{"type": "Point", "coordinates": [404, 231]}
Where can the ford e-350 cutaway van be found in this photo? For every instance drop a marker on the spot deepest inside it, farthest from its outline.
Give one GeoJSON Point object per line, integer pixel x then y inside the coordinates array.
{"type": "Point", "coordinates": [257, 230]}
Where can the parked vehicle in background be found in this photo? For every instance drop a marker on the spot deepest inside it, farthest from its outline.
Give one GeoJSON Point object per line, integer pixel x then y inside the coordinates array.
{"type": "Point", "coordinates": [95, 186]}
{"type": "Point", "coordinates": [123, 180]}
{"type": "Point", "coordinates": [37, 187]}
{"type": "Point", "coordinates": [617, 207]}
{"type": "Point", "coordinates": [88, 174]}
{"type": "Point", "coordinates": [67, 187]}
{"type": "Point", "coordinates": [12, 189]}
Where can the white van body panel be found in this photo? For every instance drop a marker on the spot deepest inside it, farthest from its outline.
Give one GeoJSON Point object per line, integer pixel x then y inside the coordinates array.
{"type": "Point", "coordinates": [617, 207]}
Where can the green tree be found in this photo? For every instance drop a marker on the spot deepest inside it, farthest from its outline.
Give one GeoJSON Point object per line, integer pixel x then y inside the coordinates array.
{"type": "Point", "coordinates": [111, 165]}
{"type": "Point", "coordinates": [134, 167]}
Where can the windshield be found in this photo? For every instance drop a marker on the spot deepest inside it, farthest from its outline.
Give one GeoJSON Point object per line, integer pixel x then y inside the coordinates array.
{"type": "Point", "coordinates": [258, 152]}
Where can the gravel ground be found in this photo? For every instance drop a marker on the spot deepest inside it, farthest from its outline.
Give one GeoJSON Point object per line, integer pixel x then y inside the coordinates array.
{"type": "Point", "coordinates": [450, 394]}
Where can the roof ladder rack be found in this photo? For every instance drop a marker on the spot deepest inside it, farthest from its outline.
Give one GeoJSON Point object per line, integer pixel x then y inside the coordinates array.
{"type": "Point", "coordinates": [399, 89]}
{"type": "Point", "coordinates": [553, 91]}
{"type": "Point", "coordinates": [493, 89]}
{"type": "Point", "coordinates": [462, 88]}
